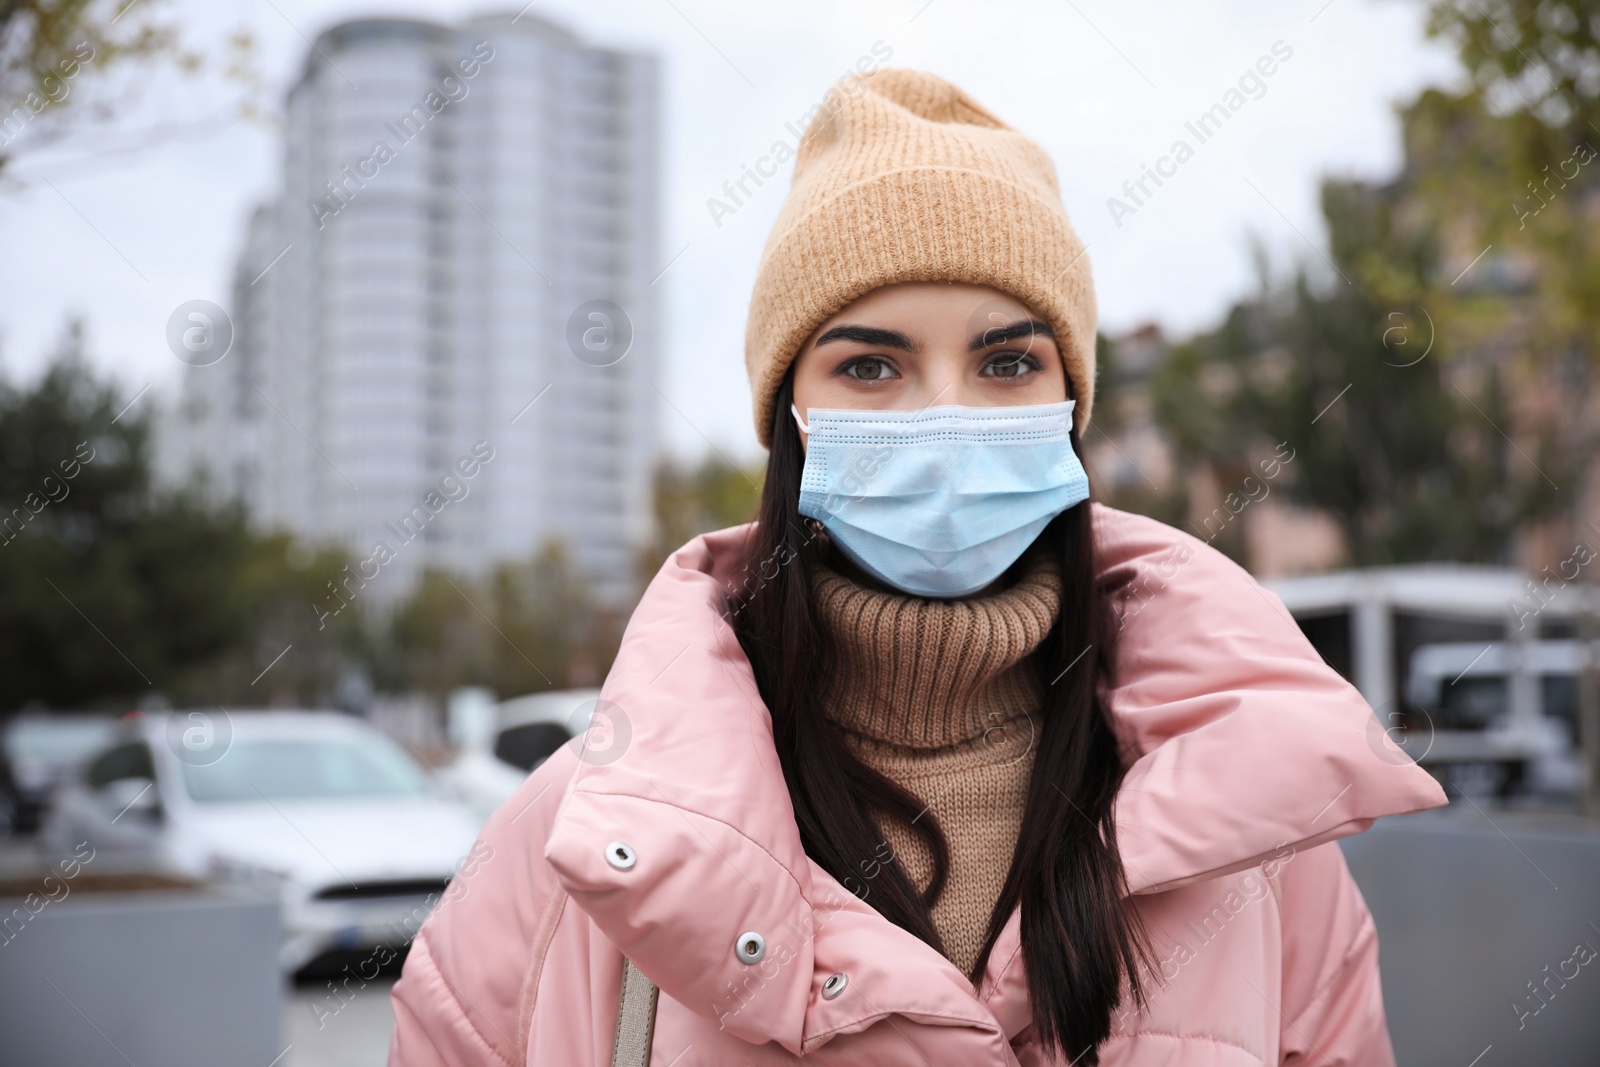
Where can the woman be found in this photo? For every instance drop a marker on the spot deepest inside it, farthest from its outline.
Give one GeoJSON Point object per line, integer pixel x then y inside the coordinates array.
{"type": "Point", "coordinates": [936, 762]}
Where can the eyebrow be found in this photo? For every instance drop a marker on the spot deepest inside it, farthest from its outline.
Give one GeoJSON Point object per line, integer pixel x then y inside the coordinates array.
{"type": "Point", "coordinates": [999, 335]}
{"type": "Point", "coordinates": [868, 335]}
{"type": "Point", "coordinates": [994, 335]}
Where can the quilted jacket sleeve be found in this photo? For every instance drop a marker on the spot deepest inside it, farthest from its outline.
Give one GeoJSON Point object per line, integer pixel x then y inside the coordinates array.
{"type": "Point", "coordinates": [1245, 740]}
{"type": "Point", "coordinates": [1332, 999]}
{"type": "Point", "coordinates": [462, 997]}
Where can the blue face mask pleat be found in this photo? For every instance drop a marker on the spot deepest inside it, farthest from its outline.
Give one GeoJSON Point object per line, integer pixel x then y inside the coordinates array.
{"type": "Point", "coordinates": [939, 502]}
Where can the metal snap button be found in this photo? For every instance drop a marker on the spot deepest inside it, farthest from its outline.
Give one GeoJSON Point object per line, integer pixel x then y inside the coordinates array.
{"type": "Point", "coordinates": [834, 985]}
{"type": "Point", "coordinates": [621, 855]}
{"type": "Point", "coordinates": [750, 947]}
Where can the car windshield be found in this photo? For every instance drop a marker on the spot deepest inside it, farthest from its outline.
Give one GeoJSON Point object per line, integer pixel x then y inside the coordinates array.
{"type": "Point", "coordinates": [59, 742]}
{"type": "Point", "coordinates": [293, 768]}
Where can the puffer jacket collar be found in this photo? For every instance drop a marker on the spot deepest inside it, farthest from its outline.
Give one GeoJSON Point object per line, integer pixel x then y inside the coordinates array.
{"type": "Point", "coordinates": [1264, 750]}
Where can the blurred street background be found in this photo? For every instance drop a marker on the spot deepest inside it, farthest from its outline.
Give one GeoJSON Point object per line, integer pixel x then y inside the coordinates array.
{"type": "Point", "coordinates": [360, 363]}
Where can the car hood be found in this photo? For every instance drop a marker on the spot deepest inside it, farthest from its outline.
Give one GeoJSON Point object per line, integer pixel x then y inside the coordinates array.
{"type": "Point", "coordinates": [340, 841]}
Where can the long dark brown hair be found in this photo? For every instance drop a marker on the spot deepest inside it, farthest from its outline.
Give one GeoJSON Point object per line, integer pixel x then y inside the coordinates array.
{"type": "Point", "coordinates": [1084, 944]}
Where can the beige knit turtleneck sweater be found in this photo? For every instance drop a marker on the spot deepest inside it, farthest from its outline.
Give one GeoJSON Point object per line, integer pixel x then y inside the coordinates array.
{"type": "Point", "coordinates": [942, 697]}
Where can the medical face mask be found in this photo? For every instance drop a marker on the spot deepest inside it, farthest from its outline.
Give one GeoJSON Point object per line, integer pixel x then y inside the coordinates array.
{"type": "Point", "coordinates": [939, 502]}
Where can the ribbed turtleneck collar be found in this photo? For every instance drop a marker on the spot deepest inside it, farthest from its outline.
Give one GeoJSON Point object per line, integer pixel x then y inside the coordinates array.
{"type": "Point", "coordinates": [932, 673]}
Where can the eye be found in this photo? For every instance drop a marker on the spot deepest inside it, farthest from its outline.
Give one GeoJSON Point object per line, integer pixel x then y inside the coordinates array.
{"type": "Point", "coordinates": [1010, 365]}
{"type": "Point", "coordinates": [868, 369]}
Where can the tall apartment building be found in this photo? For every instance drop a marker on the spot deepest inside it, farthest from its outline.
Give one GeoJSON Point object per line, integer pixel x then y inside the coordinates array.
{"type": "Point", "coordinates": [455, 278]}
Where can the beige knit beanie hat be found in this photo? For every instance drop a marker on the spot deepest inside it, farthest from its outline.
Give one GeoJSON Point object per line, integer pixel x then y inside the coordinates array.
{"type": "Point", "coordinates": [903, 177]}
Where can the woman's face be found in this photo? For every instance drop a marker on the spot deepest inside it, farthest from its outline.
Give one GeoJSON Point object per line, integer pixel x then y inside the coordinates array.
{"type": "Point", "coordinates": [923, 344]}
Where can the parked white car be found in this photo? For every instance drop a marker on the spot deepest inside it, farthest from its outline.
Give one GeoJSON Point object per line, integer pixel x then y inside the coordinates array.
{"type": "Point", "coordinates": [501, 744]}
{"type": "Point", "coordinates": [42, 750]}
{"type": "Point", "coordinates": [353, 832]}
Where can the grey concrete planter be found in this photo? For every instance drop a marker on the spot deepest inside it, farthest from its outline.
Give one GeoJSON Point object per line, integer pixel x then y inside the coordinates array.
{"type": "Point", "coordinates": [168, 977]}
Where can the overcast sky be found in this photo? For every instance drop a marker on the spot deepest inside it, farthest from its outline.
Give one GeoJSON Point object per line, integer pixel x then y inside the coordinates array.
{"type": "Point", "coordinates": [1105, 86]}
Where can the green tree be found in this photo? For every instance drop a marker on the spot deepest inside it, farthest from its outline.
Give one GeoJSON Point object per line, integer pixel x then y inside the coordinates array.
{"type": "Point", "coordinates": [438, 638]}
{"type": "Point", "coordinates": [1536, 63]}
{"type": "Point", "coordinates": [298, 651]}
{"type": "Point", "coordinates": [690, 501]}
{"type": "Point", "coordinates": [550, 630]}
{"type": "Point", "coordinates": [1511, 163]}
{"type": "Point", "coordinates": [1392, 403]}
{"type": "Point", "coordinates": [525, 627]}
{"type": "Point", "coordinates": [1536, 57]}
{"type": "Point", "coordinates": [52, 52]}
{"type": "Point", "coordinates": [108, 587]}
{"type": "Point", "coordinates": [534, 624]}
{"type": "Point", "coordinates": [1404, 464]}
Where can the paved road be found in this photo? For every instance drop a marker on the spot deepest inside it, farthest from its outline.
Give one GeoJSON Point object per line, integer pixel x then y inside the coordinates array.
{"type": "Point", "coordinates": [1479, 910]}
{"type": "Point", "coordinates": [325, 1031]}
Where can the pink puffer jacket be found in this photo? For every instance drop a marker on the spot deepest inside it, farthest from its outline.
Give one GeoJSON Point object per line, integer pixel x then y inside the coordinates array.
{"type": "Point", "coordinates": [1254, 757]}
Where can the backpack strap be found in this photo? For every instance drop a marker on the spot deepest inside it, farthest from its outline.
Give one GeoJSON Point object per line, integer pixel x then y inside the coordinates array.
{"type": "Point", "coordinates": [636, 1018]}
